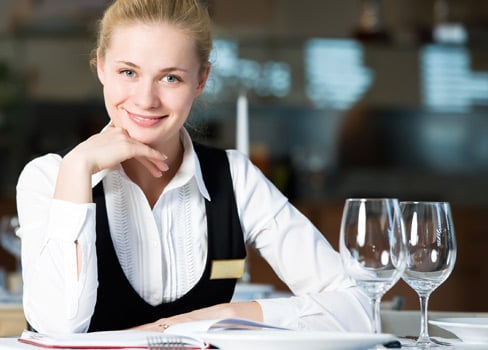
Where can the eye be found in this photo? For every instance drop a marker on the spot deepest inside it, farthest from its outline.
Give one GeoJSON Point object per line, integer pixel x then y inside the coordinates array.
{"type": "Point", "coordinates": [170, 78]}
{"type": "Point", "coordinates": [128, 73]}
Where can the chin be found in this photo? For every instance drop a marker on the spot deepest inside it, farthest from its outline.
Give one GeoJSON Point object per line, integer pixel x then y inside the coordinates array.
{"type": "Point", "coordinates": [143, 137]}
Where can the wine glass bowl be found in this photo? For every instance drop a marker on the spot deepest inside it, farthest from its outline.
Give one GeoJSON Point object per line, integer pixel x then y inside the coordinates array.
{"type": "Point", "coordinates": [431, 253]}
{"type": "Point", "coordinates": [372, 247]}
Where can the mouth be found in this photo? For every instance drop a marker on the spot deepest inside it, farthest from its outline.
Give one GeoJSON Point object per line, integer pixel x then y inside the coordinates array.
{"type": "Point", "coordinates": [145, 120]}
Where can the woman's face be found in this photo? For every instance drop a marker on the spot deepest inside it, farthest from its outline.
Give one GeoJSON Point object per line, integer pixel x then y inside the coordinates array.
{"type": "Point", "coordinates": [150, 76]}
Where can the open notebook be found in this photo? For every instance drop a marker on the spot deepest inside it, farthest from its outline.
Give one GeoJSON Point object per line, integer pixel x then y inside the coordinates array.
{"type": "Point", "coordinates": [235, 334]}
{"type": "Point", "coordinates": [188, 333]}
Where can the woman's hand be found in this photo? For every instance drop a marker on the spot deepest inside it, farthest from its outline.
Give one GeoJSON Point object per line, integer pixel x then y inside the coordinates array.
{"type": "Point", "coordinates": [102, 151]}
{"type": "Point", "coordinates": [249, 310]}
{"type": "Point", "coordinates": [113, 146]}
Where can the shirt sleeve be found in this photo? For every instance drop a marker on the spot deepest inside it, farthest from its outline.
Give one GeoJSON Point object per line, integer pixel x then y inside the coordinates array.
{"type": "Point", "coordinates": [341, 310]}
{"type": "Point", "coordinates": [56, 299]}
{"type": "Point", "coordinates": [324, 296]}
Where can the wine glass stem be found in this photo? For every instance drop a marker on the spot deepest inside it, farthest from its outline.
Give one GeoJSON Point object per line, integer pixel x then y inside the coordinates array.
{"type": "Point", "coordinates": [424, 317]}
{"type": "Point", "coordinates": [376, 304]}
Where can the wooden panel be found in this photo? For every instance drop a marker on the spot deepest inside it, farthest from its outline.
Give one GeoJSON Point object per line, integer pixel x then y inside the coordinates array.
{"type": "Point", "coordinates": [12, 321]}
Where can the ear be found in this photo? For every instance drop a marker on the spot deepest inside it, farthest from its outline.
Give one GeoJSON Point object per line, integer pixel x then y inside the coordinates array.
{"type": "Point", "coordinates": [100, 68]}
{"type": "Point", "coordinates": [203, 79]}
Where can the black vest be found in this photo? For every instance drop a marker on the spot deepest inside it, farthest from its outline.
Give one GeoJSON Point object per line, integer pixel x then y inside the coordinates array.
{"type": "Point", "coordinates": [119, 306]}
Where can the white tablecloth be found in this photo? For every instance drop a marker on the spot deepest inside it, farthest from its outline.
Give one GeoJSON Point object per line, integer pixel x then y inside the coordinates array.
{"type": "Point", "coordinates": [12, 344]}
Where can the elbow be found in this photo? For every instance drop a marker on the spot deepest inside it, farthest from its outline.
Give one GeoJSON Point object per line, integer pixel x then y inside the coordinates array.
{"type": "Point", "coordinates": [51, 317]}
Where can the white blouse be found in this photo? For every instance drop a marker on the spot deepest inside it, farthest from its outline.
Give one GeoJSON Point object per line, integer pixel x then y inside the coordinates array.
{"type": "Point", "coordinates": [165, 253]}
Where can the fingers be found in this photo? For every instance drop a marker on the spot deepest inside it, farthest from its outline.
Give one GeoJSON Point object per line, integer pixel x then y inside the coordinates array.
{"type": "Point", "coordinates": [153, 160]}
{"type": "Point", "coordinates": [154, 166]}
{"type": "Point", "coordinates": [157, 326]}
{"type": "Point", "coordinates": [124, 147]}
{"type": "Point", "coordinates": [162, 326]}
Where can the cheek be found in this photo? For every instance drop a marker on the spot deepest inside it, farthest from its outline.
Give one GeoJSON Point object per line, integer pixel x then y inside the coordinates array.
{"type": "Point", "coordinates": [113, 97]}
{"type": "Point", "coordinates": [114, 92]}
{"type": "Point", "coordinates": [179, 101]}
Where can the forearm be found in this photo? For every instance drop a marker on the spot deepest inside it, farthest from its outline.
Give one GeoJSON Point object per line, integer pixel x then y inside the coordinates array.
{"type": "Point", "coordinates": [250, 310]}
{"type": "Point", "coordinates": [73, 183]}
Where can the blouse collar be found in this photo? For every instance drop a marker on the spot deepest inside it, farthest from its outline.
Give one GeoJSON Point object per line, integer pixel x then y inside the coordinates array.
{"type": "Point", "coordinates": [190, 166]}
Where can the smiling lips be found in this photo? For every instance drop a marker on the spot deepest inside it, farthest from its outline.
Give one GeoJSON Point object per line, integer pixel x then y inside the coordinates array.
{"type": "Point", "coordinates": [145, 121]}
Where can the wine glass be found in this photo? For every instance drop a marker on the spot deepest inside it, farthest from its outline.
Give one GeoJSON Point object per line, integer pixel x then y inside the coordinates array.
{"type": "Point", "coordinates": [372, 247]}
{"type": "Point", "coordinates": [431, 253]}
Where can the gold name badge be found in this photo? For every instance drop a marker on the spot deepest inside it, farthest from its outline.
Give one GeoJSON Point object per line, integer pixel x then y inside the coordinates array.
{"type": "Point", "coordinates": [230, 268]}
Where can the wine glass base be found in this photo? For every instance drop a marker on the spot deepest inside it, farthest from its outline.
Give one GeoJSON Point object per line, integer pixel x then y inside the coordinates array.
{"type": "Point", "coordinates": [411, 342]}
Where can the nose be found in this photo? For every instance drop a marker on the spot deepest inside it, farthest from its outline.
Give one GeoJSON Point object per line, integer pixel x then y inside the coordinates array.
{"type": "Point", "coordinates": [146, 95]}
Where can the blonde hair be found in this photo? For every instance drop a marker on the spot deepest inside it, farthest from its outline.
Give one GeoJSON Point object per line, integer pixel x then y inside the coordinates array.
{"type": "Point", "coordinates": [188, 15]}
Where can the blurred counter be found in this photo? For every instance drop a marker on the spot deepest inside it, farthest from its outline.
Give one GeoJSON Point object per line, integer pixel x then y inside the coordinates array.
{"type": "Point", "coordinates": [12, 321]}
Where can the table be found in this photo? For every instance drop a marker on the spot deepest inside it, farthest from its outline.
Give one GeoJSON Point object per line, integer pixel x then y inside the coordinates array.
{"type": "Point", "coordinates": [12, 344]}
{"type": "Point", "coordinates": [406, 323]}
{"type": "Point", "coordinates": [400, 323]}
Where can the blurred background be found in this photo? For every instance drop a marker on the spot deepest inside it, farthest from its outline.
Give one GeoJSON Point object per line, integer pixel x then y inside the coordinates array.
{"type": "Point", "coordinates": [346, 98]}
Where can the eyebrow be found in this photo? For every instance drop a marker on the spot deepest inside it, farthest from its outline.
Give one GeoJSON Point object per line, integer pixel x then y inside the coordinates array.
{"type": "Point", "coordinates": [169, 69]}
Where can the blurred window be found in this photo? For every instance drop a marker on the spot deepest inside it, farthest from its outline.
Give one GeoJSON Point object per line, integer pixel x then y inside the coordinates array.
{"type": "Point", "coordinates": [448, 83]}
{"type": "Point", "coordinates": [231, 73]}
{"type": "Point", "coordinates": [335, 74]}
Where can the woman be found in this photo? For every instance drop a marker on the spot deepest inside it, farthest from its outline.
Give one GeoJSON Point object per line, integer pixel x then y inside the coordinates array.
{"type": "Point", "coordinates": [139, 227]}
